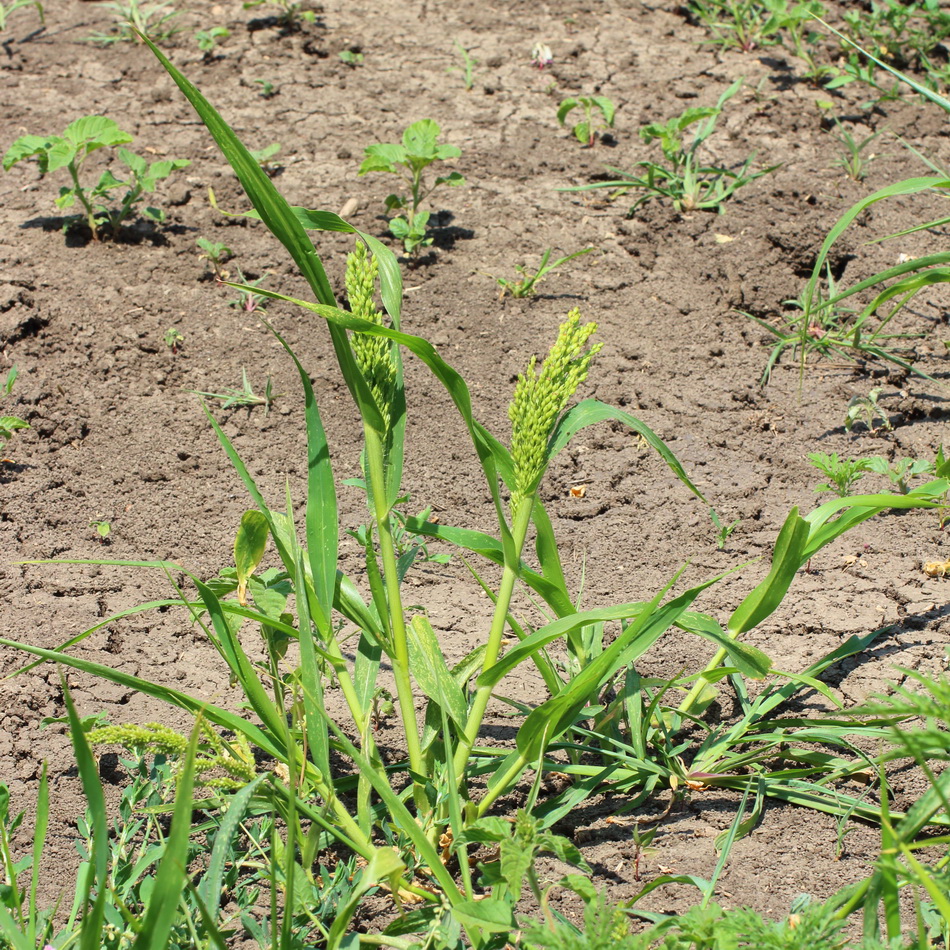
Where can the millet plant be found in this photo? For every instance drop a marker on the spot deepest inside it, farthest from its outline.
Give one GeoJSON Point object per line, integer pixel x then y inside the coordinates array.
{"type": "Point", "coordinates": [414, 809]}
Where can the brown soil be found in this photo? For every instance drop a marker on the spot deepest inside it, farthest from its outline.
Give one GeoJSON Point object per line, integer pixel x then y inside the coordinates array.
{"type": "Point", "coordinates": [117, 435]}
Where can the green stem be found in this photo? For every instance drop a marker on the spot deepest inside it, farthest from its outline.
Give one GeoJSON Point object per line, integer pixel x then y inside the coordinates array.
{"type": "Point", "coordinates": [400, 643]}
{"type": "Point", "coordinates": [84, 201]}
{"type": "Point", "coordinates": [700, 684]}
{"type": "Point", "coordinates": [519, 531]}
{"type": "Point", "coordinates": [501, 785]}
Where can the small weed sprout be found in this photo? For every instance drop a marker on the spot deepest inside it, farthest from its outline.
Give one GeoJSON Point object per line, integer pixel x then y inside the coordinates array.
{"type": "Point", "coordinates": [842, 474]}
{"type": "Point", "coordinates": [263, 156]}
{"type": "Point", "coordinates": [734, 24]}
{"type": "Point", "coordinates": [103, 530]}
{"type": "Point", "coordinates": [247, 300]}
{"type": "Point", "coordinates": [901, 471]}
{"type": "Point", "coordinates": [853, 160]}
{"type": "Point", "coordinates": [866, 409]}
{"type": "Point", "coordinates": [467, 69]}
{"type": "Point", "coordinates": [245, 396]}
{"type": "Point", "coordinates": [684, 179]}
{"type": "Point", "coordinates": [71, 150]}
{"type": "Point", "coordinates": [527, 285]}
{"type": "Point", "coordinates": [541, 55]}
{"type": "Point", "coordinates": [419, 149]}
{"type": "Point", "coordinates": [268, 90]}
{"type": "Point", "coordinates": [135, 16]}
{"type": "Point", "coordinates": [216, 253]}
{"type": "Point", "coordinates": [587, 129]}
{"type": "Point", "coordinates": [174, 340]}
{"type": "Point", "coordinates": [207, 39]}
{"type": "Point", "coordinates": [292, 12]}
{"type": "Point", "coordinates": [9, 424]}
{"type": "Point", "coordinates": [723, 531]}
{"type": "Point", "coordinates": [351, 58]}
{"type": "Point", "coordinates": [7, 8]}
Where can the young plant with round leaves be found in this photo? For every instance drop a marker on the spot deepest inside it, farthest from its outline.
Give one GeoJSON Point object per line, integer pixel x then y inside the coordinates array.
{"type": "Point", "coordinates": [409, 160]}
{"type": "Point", "coordinates": [73, 148]}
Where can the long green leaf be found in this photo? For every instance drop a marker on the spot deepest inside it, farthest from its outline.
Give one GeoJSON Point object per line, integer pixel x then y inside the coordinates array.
{"type": "Point", "coordinates": [551, 718]}
{"type": "Point", "coordinates": [93, 917]}
{"type": "Point", "coordinates": [591, 411]}
{"type": "Point", "coordinates": [786, 560]}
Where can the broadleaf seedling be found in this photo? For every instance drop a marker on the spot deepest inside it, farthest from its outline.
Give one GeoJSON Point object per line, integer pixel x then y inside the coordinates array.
{"type": "Point", "coordinates": [409, 160]}
{"type": "Point", "coordinates": [901, 471]}
{"type": "Point", "coordinates": [268, 90]}
{"type": "Point", "coordinates": [351, 58]}
{"type": "Point", "coordinates": [216, 253]}
{"type": "Point", "coordinates": [174, 340]}
{"type": "Point", "coordinates": [71, 150]}
{"type": "Point", "coordinates": [842, 474]}
{"type": "Point", "coordinates": [866, 410]}
{"type": "Point", "coordinates": [207, 39]}
{"type": "Point", "coordinates": [103, 530]}
{"type": "Point", "coordinates": [527, 285]}
{"type": "Point", "coordinates": [292, 12]}
{"type": "Point", "coordinates": [587, 129]}
{"type": "Point", "coordinates": [264, 155]}
{"type": "Point", "coordinates": [9, 424]}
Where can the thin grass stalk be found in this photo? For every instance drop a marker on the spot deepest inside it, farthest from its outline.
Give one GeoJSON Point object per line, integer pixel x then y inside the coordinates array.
{"type": "Point", "coordinates": [375, 463]}
{"type": "Point", "coordinates": [519, 532]}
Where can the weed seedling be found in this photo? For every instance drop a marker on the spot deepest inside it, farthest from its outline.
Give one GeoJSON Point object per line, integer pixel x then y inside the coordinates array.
{"type": "Point", "coordinates": [134, 17]}
{"type": "Point", "coordinates": [689, 184]}
{"type": "Point", "coordinates": [292, 12]}
{"type": "Point", "coordinates": [900, 472]}
{"type": "Point", "coordinates": [207, 39]}
{"type": "Point", "coordinates": [264, 155]}
{"type": "Point", "coordinates": [7, 8]}
{"type": "Point", "coordinates": [419, 149]}
{"type": "Point", "coordinates": [215, 253]}
{"type": "Point", "coordinates": [174, 340]}
{"type": "Point", "coordinates": [103, 530]}
{"type": "Point", "coordinates": [9, 424]}
{"type": "Point", "coordinates": [723, 531]}
{"type": "Point", "coordinates": [842, 474]}
{"type": "Point", "coordinates": [467, 69]}
{"type": "Point", "coordinates": [71, 150]}
{"type": "Point", "coordinates": [351, 58]}
{"type": "Point", "coordinates": [527, 285]}
{"type": "Point", "coordinates": [853, 161]}
{"type": "Point", "coordinates": [247, 300]}
{"type": "Point", "coordinates": [541, 55]}
{"type": "Point", "coordinates": [866, 409]}
{"type": "Point", "coordinates": [734, 24]}
{"type": "Point", "coordinates": [586, 130]}
{"type": "Point", "coordinates": [245, 396]}
{"type": "Point", "coordinates": [268, 91]}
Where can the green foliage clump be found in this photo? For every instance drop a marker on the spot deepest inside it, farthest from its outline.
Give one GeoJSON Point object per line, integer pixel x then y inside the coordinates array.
{"type": "Point", "coordinates": [409, 160]}
{"type": "Point", "coordinates": [72, 149]}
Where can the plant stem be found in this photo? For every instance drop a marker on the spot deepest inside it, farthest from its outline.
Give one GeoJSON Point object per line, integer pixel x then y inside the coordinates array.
{"type": "Point", "coordinates": [700, 684]}
{"type": "Point", "coordinates": [375, 466]}
{"type": "Point", "coordinates": [493, 648]}
{"type": "Point", "coordinates": [84, 201]}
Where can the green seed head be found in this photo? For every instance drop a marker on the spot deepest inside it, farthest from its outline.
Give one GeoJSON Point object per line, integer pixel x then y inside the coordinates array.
{"type": "Point", "coordinates": [374, 354]}
{"type": "Point", "coordinates": [541, 397]}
